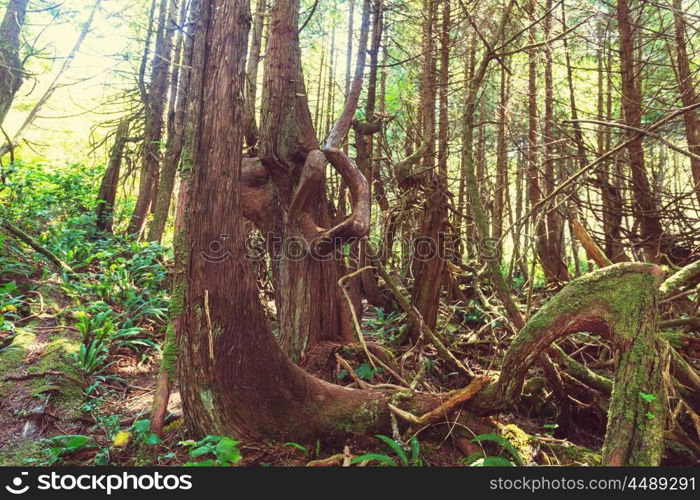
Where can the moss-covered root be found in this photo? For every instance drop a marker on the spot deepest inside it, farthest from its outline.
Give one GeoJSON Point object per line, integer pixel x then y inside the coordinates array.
{"type": "Point", "coordinates": [637, 415]}
{"type": "Point", "coordinates": [679, 279]}
{"type": "Point", "coordinates": [620, 303]}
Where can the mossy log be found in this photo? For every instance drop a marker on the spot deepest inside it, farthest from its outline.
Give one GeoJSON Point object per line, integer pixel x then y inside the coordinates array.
{"type": "Point", "coordinates": [619, 303]}
{"type": "Point", "coordinates": [35, 245]}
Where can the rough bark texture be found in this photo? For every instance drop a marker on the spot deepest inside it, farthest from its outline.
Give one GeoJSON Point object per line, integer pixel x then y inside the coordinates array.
{"type": "Point", "coordinates": [235, 380]}
{"type": "Point", "coordinates": [176, 131]}
{"type": "Point", "coordinates": [107, 194]}
{"type": "Point", "coordinates": [312, 307]}
{"type": "Point", "coordinates": [155, 109]}
{"type": "Point", "coordinates": [11, 73]}
{"type": "Point", "coordinates": [645, 205]}
{"type": "Point", "coordinates": [428, 264]}
{"type": "Point", "coordinates": [688, 94]}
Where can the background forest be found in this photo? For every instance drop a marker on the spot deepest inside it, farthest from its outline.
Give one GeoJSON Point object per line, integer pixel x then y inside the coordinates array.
{"type": "Point", "coordinates": [349, 232]}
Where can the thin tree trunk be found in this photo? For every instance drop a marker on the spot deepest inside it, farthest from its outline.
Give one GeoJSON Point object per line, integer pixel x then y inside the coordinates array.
{"type": "Point", "coordinates": [688, 94]}
{"type": "Point", "coordinates": [427, 260]}
{"type": "Point", "coordinates": [11, 71]}
{"type": "Point", "coordinates": [176, 130]}
{"type": "Point", "coordinates": [554, 239]}
{"type": "Point", "coordinates": [155, 109]}
{"type": "Point", "coordinates": [251, 84]}
{"type": "Point", "coordinates": [501, 189]}
{"type": "Point", "coordinates": [107, 194]}
{"type": "Point", "coordinates": [645, 205]}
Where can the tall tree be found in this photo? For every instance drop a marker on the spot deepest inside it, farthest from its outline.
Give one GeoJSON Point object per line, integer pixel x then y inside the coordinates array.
{"type": "Point", "coordinates": [11, 72]}
{"type": "Point", "coordinates": [251, 74]}
{"type": "Point", "coordinates": [154, 103]}
{"type": "Point", "coordinates": [176, 125]}
{"type": "Point", "coordinates": [688, 94]}
{"type": "Point", "coordinates": [427, 261]}
{"type": "Point", "coordinates": [646, 208]}
{"type": "Point", "coordinates": [107, 194]}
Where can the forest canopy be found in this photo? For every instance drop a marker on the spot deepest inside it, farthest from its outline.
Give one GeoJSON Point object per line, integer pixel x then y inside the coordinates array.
{"type": "Point", "coordinates": [349, 232]}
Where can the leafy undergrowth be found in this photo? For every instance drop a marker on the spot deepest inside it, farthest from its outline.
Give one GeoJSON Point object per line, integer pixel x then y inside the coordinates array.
{"type": "Point", "coordinates": [79, 361]}
{"type": "Point", "coordinates": [79, 358]}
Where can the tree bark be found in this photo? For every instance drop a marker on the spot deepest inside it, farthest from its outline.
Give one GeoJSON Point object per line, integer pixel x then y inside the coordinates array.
{"type": "Point", "coordinates": [176, 130]}
{"type": "Point", "coordinates": [688, 94]}
{"type": "Point", "coordinates": [11, 71]}
{"type": "Point", "coordinates": [251, 85]}
{"type": "Point", "coordinates": [107, 194]}
{"type": "Point", "coordinates": [312, 305]}
{"type": "Point", "coordinates": [645, 205]}
{"type": "Point", "coordinates": [428, 261]}
{"type": "Point", "coordinates": [155, 108]}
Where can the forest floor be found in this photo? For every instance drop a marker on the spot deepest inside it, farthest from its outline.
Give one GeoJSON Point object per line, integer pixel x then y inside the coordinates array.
{"type": "Point", "coordinates": [44, 405]}
{"type": "Point", "coordinates": [79, 363]}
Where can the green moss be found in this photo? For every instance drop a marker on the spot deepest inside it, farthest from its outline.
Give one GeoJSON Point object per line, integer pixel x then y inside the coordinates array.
{"type": "Point", "coordinates": [207, 399]}
{"type": "Point", "coordinates": [18, 454]}
{"type": "Point", "coordinates": [177, 301]}
{"type": "Point", "coordinates": [571, 454]}
{"type": "Point", "coordinates": [520, 439]}
{"type": "Point", "coordinates": [170, 353]}
{"type": "Point", "coordinates": [365, 417]}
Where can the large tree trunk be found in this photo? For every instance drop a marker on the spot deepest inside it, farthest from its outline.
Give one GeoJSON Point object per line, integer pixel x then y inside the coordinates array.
{"type": "Point", "coordinates": [11, 73]}
{"type": "Point", "coordinates": [311, 300]}
{"type": "Point", "coordinates": [234, 378]}
{"type": "Point", "coordinates": [155, 102]}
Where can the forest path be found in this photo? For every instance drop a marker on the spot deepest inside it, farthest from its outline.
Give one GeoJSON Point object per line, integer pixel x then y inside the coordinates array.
{"type": "Point", "coordinates": [43, 394]}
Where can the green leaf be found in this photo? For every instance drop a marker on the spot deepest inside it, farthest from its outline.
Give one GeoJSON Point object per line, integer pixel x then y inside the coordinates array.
{"type": "Point", "coordinates": [503, 442]}
{"type": "Point", "coordinates": [77, 442]}
{"type": "Point", "coordinates": [202, 450]}
{"type": "Point", "coordinates": [142, 425]}
{"type": "Point", "coordinates": [152, 439]}
{"type": "Point", "coordinates": [365, 371]}
{"type": "Point", "coordinates": [492, 462]}
{"type": "Point", "coordinates": [374, 456]}
{"type": "Point", "coordinates": [649, 398]}
{"type": "Point", "coordinates": [394, 446]}
{"type": "Point", "coordinates": [227, 450]}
